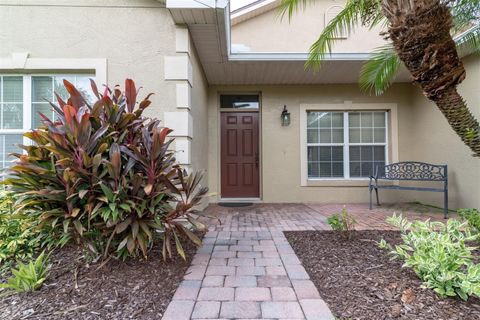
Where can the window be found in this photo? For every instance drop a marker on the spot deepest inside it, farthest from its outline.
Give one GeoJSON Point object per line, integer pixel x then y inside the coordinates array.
{"type": "Point", "coordinates": [345, 144]}
{"type": "Point", "coordinates": [243, 101]}
{"type": "Point", "coordinates": [11, 117]}
{"type": "Point", "coordinates": [19, 108]}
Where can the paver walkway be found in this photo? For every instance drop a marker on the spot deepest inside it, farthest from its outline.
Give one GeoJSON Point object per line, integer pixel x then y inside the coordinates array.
{"type": "Point", "coordinates": [246, 269]}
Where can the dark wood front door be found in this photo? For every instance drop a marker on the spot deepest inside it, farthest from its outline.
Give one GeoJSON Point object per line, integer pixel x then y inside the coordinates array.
{"type": "Point", "coordinates": [239, 155]}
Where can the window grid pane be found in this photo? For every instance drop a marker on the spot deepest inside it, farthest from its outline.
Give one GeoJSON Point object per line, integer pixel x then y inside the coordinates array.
{"type": "Point", "coordinates": [367, 127]}
{"type": "Point", "coordinates": [11, 102]}
{"type": "Point", "coordinates": [368, 136]}
{"type": "Point", "coordinates": [365, 159]}
{"type": "Point", "coordinates": [325, 161]}
{"type": "Point", "coordinates": [324, 127]}
{"type": "Point", "coordinates": [44, 89]}
{"type": "Point", "coordinates": [9, 144]}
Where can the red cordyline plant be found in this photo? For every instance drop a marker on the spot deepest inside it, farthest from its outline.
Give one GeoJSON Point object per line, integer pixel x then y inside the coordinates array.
{"type": "Point", "coordinates": [103, 174]}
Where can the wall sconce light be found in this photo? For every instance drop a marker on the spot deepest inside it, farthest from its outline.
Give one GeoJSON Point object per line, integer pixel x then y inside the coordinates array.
{"type": "Point", "coordinates": [285, 117]}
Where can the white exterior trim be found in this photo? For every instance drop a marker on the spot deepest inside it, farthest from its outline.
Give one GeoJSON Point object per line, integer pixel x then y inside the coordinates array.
{"type": "Point", "coordinates": [27, 105]}
{"type": "Point", "coordinates": [182, 39]}
{"type": "Point", "coordinates": [391, 139]}
{"type": "Point", "coordinates": [183, 96]}
{"type": "Point", "coordinates": [178, 68]}
{"type": "Point", "coordinates": [183, 145]}
{"type": "Point", "coordinates": [99, 66]}
{"type": "Point", "coordinates": [280, 56]}
{"type": "Point", "coordinates": [195, 4]}
{"type": "Point", "coordinates": [180, 122]}
{"type": "Point", "coordinates": [251, 7]}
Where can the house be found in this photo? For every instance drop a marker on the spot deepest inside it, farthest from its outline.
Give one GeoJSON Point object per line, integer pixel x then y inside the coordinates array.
{"type": "Point", "coordinates": [222, 79]}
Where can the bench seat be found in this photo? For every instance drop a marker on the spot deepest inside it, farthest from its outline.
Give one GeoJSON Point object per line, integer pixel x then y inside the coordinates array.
{"type": "Point", "coordinates": [410, 171]}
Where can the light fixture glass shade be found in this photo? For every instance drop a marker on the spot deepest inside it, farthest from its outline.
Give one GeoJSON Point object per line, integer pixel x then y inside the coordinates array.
{"type": "Point", "coordinates": [285, 117]}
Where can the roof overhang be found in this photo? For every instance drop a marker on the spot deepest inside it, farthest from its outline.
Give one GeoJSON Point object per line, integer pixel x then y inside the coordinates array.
{"type": "Point", "coordinates": [252, 10]}
{"type": "Point", "coordinates": [209, 24]}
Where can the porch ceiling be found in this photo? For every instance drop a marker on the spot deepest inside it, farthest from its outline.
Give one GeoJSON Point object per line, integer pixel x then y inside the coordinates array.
{"type": "Point", "coordinates": [209, 24]}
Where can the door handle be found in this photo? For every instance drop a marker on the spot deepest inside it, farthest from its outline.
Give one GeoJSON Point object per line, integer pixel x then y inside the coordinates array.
{"type": "Point", "coordinates": [256, 159]}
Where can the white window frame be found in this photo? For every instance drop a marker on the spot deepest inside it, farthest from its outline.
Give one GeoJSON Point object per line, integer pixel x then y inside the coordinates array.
{"type": "Point", "coordinates": [346, 144]}
{"type": "Point", "coordinates": [13, 131]}
{"type": "Point", "coordinates": [391, 138]}
{"type": "Point", "coordinates": [329, 144]}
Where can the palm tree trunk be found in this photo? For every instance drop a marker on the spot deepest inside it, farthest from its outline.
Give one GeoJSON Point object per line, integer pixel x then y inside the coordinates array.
{"type": "Point", "coordinates": [459, 117]}
{"type": "Point", "coordinates": [420, 32]}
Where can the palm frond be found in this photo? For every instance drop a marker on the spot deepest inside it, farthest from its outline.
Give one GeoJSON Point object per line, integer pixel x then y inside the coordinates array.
{"type": "Point", "coordinates": [378, 73]}
{"type": "Point", "coordinates": [290, 7]}
{"type": "Point", "coordinates": [356, 12]}
{"type": "Point", "coordinates": [469, 41]}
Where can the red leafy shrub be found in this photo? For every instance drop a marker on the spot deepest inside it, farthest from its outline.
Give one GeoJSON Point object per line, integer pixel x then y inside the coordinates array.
{"type": "Point", "coordinates": [103, 175]}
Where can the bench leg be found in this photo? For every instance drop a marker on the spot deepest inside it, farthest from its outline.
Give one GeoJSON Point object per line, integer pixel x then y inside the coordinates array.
{"type": "Point", "coordinates": [370, 188]}
{"type": "Point", "coordinates": [376, 192]}
{"type": "Point", "coordinates": [445, 204]}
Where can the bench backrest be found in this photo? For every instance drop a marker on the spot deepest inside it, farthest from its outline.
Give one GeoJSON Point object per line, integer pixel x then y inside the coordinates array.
{"type": "Point", "coordinates": [412, 170]}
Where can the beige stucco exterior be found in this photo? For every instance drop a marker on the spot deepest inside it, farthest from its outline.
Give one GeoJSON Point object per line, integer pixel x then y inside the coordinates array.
{"type": "Point", "coordinates": [132, 35]}
{"type": "Point", "coordinates": [423, 135]}
{"type": "Point", "coordinates": [269, 33]}
{"type": "Point", "coordinates": [281, 146]}
{"type": "Point", "coordinates": [199, 112]}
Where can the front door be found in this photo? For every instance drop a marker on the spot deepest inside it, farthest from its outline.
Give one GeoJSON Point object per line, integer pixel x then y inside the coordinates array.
{"type": "Point", "coordinates": [239, 155]}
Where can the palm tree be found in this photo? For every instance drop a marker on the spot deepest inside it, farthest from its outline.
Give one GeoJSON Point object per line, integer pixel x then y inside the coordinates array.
{"type": "Point", "coordinates": [420, 35]}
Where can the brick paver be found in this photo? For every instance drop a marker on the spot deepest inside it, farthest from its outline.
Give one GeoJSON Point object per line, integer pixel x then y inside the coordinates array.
{"type": "Point", "coordinates": [246, 269]}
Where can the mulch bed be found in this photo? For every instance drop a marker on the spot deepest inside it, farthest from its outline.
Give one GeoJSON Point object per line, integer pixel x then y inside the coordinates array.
{"type": "Point", "coordinates": [134, 289]}
{"type": "Point", "coordinates": [359, 281]}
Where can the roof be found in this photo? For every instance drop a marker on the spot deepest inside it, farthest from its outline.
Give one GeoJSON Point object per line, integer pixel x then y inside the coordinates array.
{"type": "Point", "coordinates": [252, 10]}
{"type": "Point", "coordinates": [209, 24]}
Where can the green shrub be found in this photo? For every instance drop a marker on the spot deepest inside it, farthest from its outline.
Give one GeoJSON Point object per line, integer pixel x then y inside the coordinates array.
{"type": "Point", "coordinates": [342, 221]}
{"type": "Point", "coordinates": [19, 240]}
{"type": "Point", "coordinates": [20, 237]}
{"type": "Point", "coordinates": [6, 202]}
{"type": "Point", "coordinates": [439, 254]}
{"type": "Point", "coordinates": [104, 175]}
{"type": "Point", "coordinates": [472, 216]}
{"type": "Point", "coordinates": [28, 277]}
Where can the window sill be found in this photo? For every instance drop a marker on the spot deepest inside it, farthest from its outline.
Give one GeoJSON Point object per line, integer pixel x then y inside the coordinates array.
{"type": "Point", "coordinates": [339, 183]}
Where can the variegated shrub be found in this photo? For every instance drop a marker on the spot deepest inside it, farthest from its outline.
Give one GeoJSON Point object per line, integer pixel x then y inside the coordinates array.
{"type": "Point", "coordinates": [104, 175]}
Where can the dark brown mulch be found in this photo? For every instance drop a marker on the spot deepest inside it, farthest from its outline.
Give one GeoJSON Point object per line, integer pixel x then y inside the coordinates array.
{"type": "Point", "coordinates": [359, 281]}
{"type": "Point", "coordinates": [134, 289]}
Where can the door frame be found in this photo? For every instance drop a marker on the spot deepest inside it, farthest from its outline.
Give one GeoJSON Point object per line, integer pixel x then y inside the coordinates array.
{"type": "Point", "coordinates": [219, 145]}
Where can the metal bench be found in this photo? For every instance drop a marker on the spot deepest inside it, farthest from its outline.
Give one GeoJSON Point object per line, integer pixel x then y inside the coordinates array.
{"type": "Point", "coordinates": [411, 171]}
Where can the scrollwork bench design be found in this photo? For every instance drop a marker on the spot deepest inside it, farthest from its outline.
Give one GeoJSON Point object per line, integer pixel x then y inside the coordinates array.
{"type": "Point", "coordinates": [411, 171]}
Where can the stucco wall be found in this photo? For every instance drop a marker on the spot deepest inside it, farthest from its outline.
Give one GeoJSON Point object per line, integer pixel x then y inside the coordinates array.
{"type": "Point", "coordinates": [423, 135]}
{"type": "Point", "coordinates": [432, 140]}
{"type": "Point", "coordinates": [199, 113]}
{"type": "Point", "coordinates": [280, 146]}
{"type": "Point", "coordinates": [269, 33]}
{"type": "Point", "coordinates": [133, 35]}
